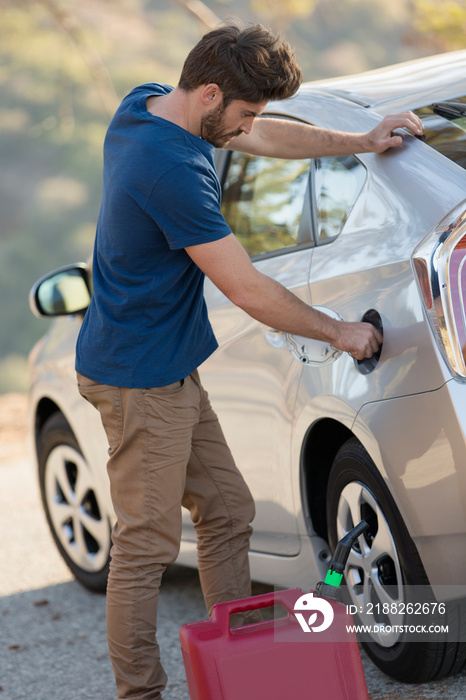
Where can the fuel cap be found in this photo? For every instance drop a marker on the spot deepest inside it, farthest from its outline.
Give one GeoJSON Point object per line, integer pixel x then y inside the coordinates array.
{"type": "Point", "coordinates": [369, 364]}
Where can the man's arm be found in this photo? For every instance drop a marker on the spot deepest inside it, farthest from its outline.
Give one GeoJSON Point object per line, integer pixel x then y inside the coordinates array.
{"type": "Point", "coordinates": [228, 265]}
{"type": "Point", "coordinates": [283, 138]}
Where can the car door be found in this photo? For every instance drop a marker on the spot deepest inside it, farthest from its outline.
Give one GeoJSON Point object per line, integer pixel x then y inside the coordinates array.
{"type": "Point", "coordinates": [252, 379]}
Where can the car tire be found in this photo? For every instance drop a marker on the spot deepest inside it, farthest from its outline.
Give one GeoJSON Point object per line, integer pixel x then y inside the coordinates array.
{"type": "Point", "coordinates": [77, 520]}
{"type": "Point", "coordinates": [387, 570]}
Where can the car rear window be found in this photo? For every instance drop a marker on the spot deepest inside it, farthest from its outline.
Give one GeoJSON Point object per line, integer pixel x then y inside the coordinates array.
{"type": "Point", "coordinates": [446, 134]}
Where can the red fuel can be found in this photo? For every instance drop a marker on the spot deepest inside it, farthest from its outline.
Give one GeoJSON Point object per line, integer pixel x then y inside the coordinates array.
{"type": "Point", "coordinates": [307, 653]}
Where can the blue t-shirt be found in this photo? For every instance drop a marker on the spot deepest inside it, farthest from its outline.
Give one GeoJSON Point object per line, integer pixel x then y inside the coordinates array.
{"type": "Point", "coordinates": [147, 322]}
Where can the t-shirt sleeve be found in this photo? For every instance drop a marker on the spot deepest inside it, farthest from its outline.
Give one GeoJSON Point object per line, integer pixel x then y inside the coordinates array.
{"type": "Point", "coordinates": [185, 204]}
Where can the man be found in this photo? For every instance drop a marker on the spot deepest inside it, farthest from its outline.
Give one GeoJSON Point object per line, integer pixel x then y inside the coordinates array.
{"type": "Point", "coordinates": [146, 331]}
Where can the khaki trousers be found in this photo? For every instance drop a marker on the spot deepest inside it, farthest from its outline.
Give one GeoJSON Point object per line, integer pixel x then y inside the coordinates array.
{"type": "Point", "coordinates": [166, 449]}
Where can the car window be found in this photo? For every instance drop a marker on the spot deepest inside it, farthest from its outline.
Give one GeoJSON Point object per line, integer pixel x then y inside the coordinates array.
{"type": "Point", "coordinates": [337, 182]}
{"type": "Point", "coordinates": [445, 134]}
{"type": "Point", "coordinates": [263, 201]}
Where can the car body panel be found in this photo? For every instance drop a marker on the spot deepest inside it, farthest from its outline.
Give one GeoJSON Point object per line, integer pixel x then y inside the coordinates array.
{"type": "Point", "coordinates": [423, 460]}
{"type": "Point", "coordinates": [409, 84]}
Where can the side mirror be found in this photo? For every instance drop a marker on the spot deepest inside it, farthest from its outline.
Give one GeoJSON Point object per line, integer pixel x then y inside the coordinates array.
{"type": "Point", "coordinates": [63, 292]}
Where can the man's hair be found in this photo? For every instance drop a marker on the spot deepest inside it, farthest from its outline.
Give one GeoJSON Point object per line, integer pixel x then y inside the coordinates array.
{"type": "Point", "coordinates": [247, 63]}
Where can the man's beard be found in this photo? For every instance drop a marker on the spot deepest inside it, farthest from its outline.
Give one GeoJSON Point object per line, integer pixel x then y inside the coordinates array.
{"type": "Point", "coordinates": [212, 128]}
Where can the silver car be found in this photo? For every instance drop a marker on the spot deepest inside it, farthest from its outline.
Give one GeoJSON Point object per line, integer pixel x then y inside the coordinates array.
{"type": "Point", "coordinates": [322, 440]}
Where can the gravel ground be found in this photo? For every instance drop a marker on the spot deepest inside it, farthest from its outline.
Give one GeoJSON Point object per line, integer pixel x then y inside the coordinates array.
{"type": "Point", "coordinates": [52, 631]}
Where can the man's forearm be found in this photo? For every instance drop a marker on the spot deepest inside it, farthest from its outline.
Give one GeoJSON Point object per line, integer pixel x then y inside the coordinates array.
{"type": "Point", "coordinates": [227, 264]}
{"type": "Point", "coordinates": [282, 138]}
{"type": "Point", "coordinates": [275, 306]}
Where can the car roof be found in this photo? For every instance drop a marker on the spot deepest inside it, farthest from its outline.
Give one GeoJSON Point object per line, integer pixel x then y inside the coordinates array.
{"type": "Point", "coordinates": [402, 85]}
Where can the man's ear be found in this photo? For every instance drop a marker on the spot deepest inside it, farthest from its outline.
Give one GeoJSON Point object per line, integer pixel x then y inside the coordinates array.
{"type": "Point", "coordinates": [211, 95]}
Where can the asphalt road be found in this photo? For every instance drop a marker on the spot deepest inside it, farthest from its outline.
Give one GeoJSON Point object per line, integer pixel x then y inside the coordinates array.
{"type": "Point", "coordinates": [52, 631]}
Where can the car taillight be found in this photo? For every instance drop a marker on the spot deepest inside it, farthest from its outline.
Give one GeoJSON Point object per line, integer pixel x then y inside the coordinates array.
{"type": "Point", "coordinates": [439, 264]}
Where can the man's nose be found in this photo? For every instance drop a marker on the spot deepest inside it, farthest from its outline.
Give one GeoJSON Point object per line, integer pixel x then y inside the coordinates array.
{"type": "Point", "coordinates": [247, 125]}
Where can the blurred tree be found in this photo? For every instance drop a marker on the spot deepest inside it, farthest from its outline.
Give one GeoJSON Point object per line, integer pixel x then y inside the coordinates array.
{"type": "Point", "coordinates": [439, 25]}
{"type": "Point", "coordinates": [69, 24]}
{"type": "Point", "coordinates": [279, 13]}
{"type": "Point", "coordinates": [282, 12]}
{"type": "Point", "coordinates": [204, 14]}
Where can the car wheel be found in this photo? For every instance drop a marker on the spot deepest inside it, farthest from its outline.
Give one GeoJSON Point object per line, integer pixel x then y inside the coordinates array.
{"type": "Point", "coordinates": [383, 568]}
{"type": "Point", "coordinates": [78, 522]}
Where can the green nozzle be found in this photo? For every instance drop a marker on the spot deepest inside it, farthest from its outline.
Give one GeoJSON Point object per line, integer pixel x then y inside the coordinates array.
{"type": "Point", "coordinates": [333, 578]}
{"type": "Point", "coordinates": [330, 588]}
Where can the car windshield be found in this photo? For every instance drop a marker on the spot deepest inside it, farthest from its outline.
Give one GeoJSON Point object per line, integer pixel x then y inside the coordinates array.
{"type": "Point", "coordinates": [445, 130]}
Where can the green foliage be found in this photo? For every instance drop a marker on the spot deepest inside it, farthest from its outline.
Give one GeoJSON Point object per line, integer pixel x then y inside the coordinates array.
{"type": "Point", "coordinates": [441, 23]}
{"type": "Point", "coordinates": [282, 12]}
